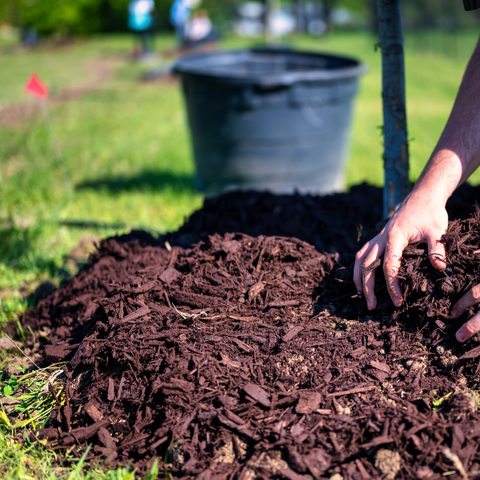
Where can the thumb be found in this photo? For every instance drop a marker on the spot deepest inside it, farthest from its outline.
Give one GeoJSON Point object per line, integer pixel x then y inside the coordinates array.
{"type": "Point", "coordinates": [436, 253]}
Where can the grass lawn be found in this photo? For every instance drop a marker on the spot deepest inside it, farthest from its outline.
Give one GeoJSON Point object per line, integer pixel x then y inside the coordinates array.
{"type": "Point", "coordinates": [125, 150]}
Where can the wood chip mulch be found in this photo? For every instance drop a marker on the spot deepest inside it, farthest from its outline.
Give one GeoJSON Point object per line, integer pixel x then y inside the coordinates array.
{"type": "Point", "coordinates": [237, 347]}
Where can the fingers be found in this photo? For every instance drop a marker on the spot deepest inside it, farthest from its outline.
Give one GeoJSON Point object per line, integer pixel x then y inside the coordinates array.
{"type": "Point", "coordinates": [364, 271]}
{"type": "Point", "coordinates": [357, 268]}
{"type": "Point", "coordinates": [436, 253]}
{"type": "Point", "coordinates": [470, 328]}
{"type": "Point", "coordinates": [391, 267]}
{"type": "Point", "coordinates": [472, 297]}
{"type": "Point", "coordinates": [411, 224]}
{"type": "Point", "coordinates": [368, 273]}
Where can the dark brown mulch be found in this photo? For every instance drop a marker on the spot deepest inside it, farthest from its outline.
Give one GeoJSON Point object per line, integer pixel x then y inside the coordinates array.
{"type": "Point", "coordinates": [236, 349]}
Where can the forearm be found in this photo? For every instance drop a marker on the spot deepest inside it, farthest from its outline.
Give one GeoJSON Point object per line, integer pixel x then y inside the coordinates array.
{"type": "Point", "coordinates": [422, 217]}
{"type": "Point", "coordinates": [457, 153]}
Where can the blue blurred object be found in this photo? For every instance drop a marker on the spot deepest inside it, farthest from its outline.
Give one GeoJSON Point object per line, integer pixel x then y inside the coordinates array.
{"type": "Point", "coordinates": [180, 14]}
{"type": "Point", "coordinates": [140, 15]}
{"type": "Point", "coordinates": [30, 37]}
{"type": "Point", "coordinates": [140, 20]}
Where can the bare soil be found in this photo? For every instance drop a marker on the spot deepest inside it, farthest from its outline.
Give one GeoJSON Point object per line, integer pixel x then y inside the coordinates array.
{"type": "Point", "coordinates": [237, 347]}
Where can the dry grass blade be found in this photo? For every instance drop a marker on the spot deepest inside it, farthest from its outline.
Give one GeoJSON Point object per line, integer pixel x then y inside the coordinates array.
{"type": "Point", "coordinates": [456, 461]}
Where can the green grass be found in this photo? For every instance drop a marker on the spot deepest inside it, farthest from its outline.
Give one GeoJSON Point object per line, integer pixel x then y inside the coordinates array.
{"type": "Point", "coordinates": [125, 148]}
{"type": "Point", "coordinates": [23, 461]}
{"type": "Point", "coordinates": [433, 75]}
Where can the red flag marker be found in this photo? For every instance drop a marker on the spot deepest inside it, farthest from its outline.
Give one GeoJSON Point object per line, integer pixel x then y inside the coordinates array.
{"type": "Point", "coordinates": [36, 87]}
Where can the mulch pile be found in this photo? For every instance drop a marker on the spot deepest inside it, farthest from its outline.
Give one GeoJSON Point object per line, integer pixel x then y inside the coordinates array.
{"type": "Point", "coordinates": [237, 347]}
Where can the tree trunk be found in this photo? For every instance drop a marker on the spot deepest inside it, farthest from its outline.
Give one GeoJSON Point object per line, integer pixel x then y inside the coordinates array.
{"type": "Point", "coordinates": [395, 157]}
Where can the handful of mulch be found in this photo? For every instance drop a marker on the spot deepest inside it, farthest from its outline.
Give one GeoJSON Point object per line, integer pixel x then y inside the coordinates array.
{"type": "Point", "coordinates": [430, 293]}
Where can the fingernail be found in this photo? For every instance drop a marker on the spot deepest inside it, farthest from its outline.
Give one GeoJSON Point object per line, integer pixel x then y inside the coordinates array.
{"type": "Point", "coordinates": [454, 313]}
{"type": "Point", "coordinates": [396, 301]}
{"type": "Point", "coordinates": [460, 336]}
{"type": "Point", "coordinates": [369, 304]}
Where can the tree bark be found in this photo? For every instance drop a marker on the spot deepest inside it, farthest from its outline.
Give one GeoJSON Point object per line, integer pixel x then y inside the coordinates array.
{"type": "Point", "coordinates": [396, 186]}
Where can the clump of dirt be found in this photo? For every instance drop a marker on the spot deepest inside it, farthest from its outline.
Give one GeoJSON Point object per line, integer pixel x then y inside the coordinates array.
{"type": "Point", "coordinates": [388, 463]}
{"type": "Point", "coordinates": [247, 353]}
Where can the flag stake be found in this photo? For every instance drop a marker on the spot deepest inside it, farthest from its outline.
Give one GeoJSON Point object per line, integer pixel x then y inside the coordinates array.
{"type": "Point", "coordinates": [56, 145]}
{"type": "Point", "coordinates": [39, 90]}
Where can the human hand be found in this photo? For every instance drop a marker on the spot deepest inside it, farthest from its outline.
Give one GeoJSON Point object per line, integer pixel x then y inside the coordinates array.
{"type": "Point", "coordinates": [472, 326]}
{"type": "Point", "coordinates": [420, 218]}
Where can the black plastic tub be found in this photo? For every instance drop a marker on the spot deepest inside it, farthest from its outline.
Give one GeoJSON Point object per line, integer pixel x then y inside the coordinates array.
{"type": "Point", "coordinates": [269, 119]}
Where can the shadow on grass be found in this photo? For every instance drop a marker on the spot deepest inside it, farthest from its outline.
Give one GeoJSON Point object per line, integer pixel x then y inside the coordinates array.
{"type": "Point", "coordinates": [93, 224]}
{"type": "Point", "coordinates": [149, 180]}
{"type": "Point", "coordinates": [19, 248]}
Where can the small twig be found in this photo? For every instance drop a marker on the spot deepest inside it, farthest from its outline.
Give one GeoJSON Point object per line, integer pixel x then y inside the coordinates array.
{"type": "Point", "coordinates": [260, 258]}
{"type": "Point", "coordinates": [51, 379]}
{"type": "Point", "coordinates": [353, 390]}
{"type": "Point", "coordinates": [188, 315]}
{"type": "Point", "coordinates": [52, 391]}
{"type": "Point", "coordinates": [456, 461]}
{"type": "Point", "coordinates": [173, 257]}
{"type": "Point", "coordinates": [167, 299]}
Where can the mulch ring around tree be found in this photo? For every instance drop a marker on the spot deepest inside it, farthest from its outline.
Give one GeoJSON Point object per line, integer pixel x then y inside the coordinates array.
{"type": "Point", "coordinates": [237, 348]}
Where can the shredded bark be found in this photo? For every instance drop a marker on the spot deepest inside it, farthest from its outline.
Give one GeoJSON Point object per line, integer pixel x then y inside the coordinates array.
{"type": "Point", "coordinates": [238, 347]}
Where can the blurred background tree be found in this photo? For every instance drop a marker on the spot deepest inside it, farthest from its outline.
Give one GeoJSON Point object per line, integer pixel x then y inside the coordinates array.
{"type": "Point", "coordinates": [82, 17]}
